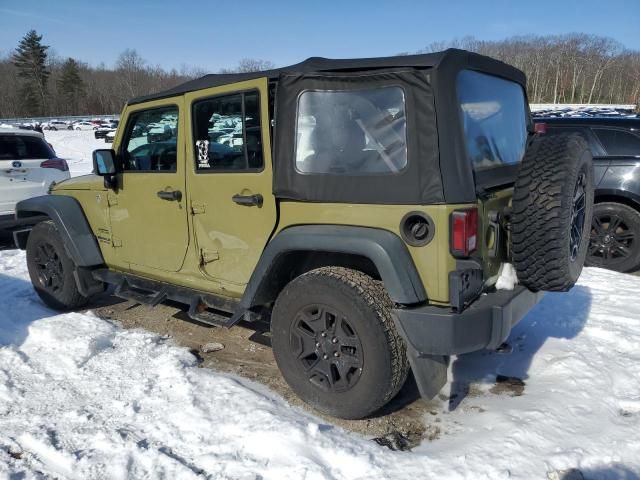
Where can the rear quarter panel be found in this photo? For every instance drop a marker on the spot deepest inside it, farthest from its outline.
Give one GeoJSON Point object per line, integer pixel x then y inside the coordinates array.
{"type": "Point", "coordinates": [433, 261]}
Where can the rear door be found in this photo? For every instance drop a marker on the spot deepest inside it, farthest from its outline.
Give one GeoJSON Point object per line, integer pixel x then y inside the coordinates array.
{"type": "Point", "coordinates": [229, 179]}
{"type": "Point", "coordinates": [22, 176]}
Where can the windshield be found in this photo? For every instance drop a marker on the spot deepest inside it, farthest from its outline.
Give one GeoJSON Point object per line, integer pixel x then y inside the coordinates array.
{"type": "Point", "coordinates": [494, 119]}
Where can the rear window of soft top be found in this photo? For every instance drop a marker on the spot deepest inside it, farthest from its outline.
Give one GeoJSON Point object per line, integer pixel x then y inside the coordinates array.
{"type": "Point", "coordinates": [494, 119]}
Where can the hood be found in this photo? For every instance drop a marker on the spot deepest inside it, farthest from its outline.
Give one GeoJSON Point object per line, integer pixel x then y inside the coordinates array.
{"type": "Point", "coordinates": [84, 182]}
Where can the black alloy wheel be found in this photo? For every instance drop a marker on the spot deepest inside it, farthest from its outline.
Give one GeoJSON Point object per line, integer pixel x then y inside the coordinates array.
{"type": "Point", "coordinates": [614, 240]}
{"type": "Point", "coordinates": [328, 348]}
{"type": "Point", "coordinates": [49, 268]}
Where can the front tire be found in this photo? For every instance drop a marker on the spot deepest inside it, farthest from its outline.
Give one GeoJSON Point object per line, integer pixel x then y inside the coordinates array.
{"type": "Point", "coordinates": [51, 269]}
{"type": "Point", "coordinates": [335, 342]}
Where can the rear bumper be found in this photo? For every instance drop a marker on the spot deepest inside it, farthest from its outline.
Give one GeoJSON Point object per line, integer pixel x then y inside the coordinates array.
{"type": "Point", "coordinates": [433, 333]}
{"type": "Point", "coordinates": [486, 323]}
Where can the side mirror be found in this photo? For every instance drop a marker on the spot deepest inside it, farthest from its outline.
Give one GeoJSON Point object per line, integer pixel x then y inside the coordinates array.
{"type": "Point", "coordinates": [104, 162]}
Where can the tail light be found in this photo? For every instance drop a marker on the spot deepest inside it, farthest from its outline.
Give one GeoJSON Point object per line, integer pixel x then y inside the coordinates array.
{"type": "Point", "coordinates": [464, 232]}
{"type": "Point", "coordinates": [57, 163]}
{"type": "Point", "coordinates": [540, 128]}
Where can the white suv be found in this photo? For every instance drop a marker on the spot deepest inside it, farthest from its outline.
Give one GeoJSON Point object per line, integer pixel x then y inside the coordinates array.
{"type": "Point", "coordinates": [28, 165]}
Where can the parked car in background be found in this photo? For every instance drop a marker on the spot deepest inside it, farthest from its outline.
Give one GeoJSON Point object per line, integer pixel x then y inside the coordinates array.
{"type": "Point", "coordinates": [159, 132]}
{"type": "Point", "coordinates": [102, 130]}
{"type": "Point", "coordinates": [83, 125]}
{"type": "Point", "coordinates": [55, 125]}
{"type": "Point", "coordinates": [28, 167]}
{"type": "Point", "coordinates": [108, 138]}
{"type": "Point", "coordinates": [615, 146]}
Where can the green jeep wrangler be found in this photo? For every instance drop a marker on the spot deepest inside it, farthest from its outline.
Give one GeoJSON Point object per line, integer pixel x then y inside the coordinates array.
{"type": "Point", "coordinates": [364, 207]}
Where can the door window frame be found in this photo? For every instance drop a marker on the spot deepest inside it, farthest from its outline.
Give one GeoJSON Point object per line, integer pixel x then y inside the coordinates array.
{"type": "Point", "coordinates": [193, 148]}
{"type": "Point", "coordinates": [127, 132]}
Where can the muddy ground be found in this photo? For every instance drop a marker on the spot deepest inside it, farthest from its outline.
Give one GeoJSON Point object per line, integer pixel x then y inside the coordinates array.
{"type": "Point", "coordinates": [402, 424]}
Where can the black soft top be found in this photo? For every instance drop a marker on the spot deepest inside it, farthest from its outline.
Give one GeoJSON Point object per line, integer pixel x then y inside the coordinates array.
{"type": "Point", "coordinates": [319, 64]}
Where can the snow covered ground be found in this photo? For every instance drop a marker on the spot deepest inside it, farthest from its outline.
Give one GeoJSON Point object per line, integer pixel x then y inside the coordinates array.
{"type": "Point", "coordinates": [76, 148]}
{"type": "Point", "coordinates": [82, 398]}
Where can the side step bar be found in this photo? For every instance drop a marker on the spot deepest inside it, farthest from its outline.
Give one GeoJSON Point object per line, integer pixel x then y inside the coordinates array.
{"type": "Point", "coordinates": [203, 307]}
{"type": "Point", "coordinates": [201, 311]}
{"type": "Point", "coordinates": [129, 292]}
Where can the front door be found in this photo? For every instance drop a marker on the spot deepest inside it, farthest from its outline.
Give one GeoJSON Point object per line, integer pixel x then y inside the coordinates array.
{"type": "Point", "coordinates": [148, 209]}
{"type": "Point", "coordinates": [229, 180]}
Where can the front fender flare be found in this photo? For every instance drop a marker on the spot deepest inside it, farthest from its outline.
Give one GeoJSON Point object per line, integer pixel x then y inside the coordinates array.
{"type": "Point", "coordinates": [70, 221]}
{"type": "Point", "coordinates": [385, 249]}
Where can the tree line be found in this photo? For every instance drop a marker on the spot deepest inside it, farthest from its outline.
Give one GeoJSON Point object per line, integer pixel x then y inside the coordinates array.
{"type": "Point", "coordinates": [573, 68]}
{"type": "Point", "coordinates": [34, 82]}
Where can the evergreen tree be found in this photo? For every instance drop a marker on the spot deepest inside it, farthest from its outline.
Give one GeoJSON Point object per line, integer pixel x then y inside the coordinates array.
{"type": "Point", "coordinates": [70, 85]}
{"type": "Point", "coordinates": [30, 59]}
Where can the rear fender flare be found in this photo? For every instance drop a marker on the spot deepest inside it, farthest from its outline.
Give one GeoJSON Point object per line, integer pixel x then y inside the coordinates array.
{"type": "Point", "coordinates": [383, 248]}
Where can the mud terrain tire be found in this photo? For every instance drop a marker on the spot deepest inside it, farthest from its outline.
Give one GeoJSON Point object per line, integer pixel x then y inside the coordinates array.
{"type": "Point", "coordinates": [335, 310]}
{"type": "Point", "coordinates": [552, 208]}
{"type": "Point", "coordinates": [51, 269]}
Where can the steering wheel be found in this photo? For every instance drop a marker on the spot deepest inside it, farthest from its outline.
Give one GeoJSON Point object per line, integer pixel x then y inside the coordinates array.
{"type": "Point", "coordinates": [167, 159]}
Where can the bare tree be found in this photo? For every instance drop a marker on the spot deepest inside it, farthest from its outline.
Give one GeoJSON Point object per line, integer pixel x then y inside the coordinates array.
{"type": "Point", "coordinates": [246, 65]}
{"type": "Point", "coordinates": [573, 68]}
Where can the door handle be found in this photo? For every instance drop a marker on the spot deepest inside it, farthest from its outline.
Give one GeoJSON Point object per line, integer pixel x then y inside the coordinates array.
{"type": "Point", "coordinates": [248, 200]}
{"type": "Point", "coordinates": [172, 195]}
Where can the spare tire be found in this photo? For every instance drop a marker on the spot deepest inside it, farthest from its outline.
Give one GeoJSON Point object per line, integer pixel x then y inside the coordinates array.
{"type": "Point", "coordinates": [551, 215]}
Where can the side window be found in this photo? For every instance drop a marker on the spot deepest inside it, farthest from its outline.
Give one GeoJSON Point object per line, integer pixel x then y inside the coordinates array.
{"type": "Point", "coordinates": [351, 132]}
{"type": "Point", "coordinates": [618, 142]}
{"type": "Point", "coordinates": [595, 149]}
{"type": "Point", "coordinates": [150, 143]}
{"type": "Point", "coordinates": [227, 133]}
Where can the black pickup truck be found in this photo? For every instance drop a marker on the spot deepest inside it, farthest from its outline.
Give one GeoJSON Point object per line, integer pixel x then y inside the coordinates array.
{"type": "Point", "coordinates": [615, 145]}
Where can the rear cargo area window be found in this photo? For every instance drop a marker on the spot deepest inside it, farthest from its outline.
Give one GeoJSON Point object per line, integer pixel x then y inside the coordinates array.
{"type": "Point", "coordinates": [15, 147]}
{"type": "Point", "coordinates": [351, 132]}
{"type": "Point", "coordinates": [494, 119]}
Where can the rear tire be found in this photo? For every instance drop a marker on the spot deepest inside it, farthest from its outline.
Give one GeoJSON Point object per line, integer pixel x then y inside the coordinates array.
{"type": "Point", "coordinates": [335, 342]}
{"type": "Point", "coordinates": [615, 238]}
{"type": "Point", "coordinates": [51, 269]}
{"type": "Point", "coordinates": [552, 207]}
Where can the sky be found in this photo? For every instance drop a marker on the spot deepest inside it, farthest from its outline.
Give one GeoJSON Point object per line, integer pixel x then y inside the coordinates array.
{"type": "Point", "coordinates": [215, 34]}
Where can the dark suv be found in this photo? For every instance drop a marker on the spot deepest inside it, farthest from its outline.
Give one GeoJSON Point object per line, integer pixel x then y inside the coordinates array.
{"type": "Point", "coordinates": [615, 146]}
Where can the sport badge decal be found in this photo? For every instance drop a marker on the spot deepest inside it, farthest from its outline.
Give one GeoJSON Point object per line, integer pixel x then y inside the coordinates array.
{"type": "Point", "coordinates": [203, 153]}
